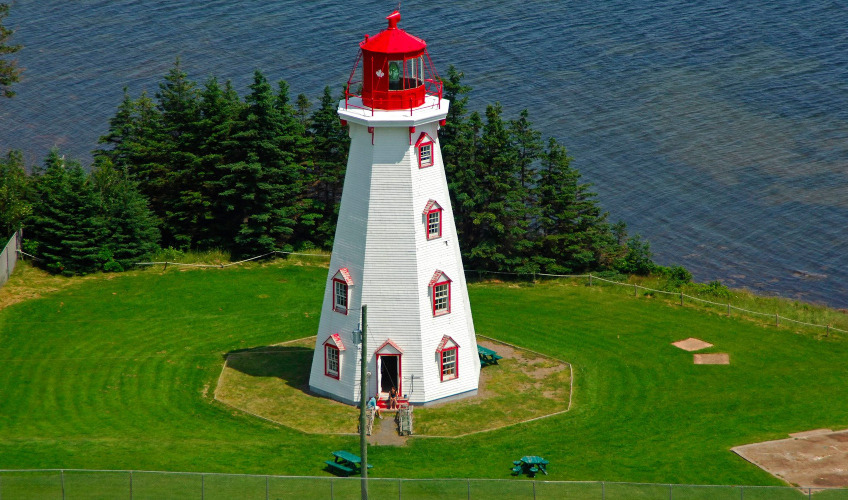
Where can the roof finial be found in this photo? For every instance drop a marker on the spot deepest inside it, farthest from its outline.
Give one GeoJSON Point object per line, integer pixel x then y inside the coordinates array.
{"type": "Point", "coordinates": [393, 18]}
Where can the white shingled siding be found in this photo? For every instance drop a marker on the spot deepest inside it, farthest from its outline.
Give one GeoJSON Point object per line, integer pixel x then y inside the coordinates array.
{"type": "Point", "coordinates": [381, 238]}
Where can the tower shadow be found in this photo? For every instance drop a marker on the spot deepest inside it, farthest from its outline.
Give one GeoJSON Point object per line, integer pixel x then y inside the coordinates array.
{"type": "Point", "coordinates": [291, 364]}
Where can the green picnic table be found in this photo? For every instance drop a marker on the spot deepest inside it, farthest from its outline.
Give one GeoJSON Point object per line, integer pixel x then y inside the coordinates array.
{"type": "Point", "coordinates": [487, 356]}
{"type": "Point", "coordinates": [345, 462]}
{"type": "Point", "coordinates": [530, 465]}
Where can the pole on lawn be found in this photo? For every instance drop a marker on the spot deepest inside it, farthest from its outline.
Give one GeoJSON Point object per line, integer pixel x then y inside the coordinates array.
{"type": "Point", "coordinates": [363, 392]}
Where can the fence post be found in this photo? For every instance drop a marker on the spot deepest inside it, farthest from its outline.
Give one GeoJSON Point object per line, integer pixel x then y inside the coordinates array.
{"type": "Point", "coordinates": [468, 481]}
{"type": "Point", "coordinates": [670, 494]}
{"type": "Point", "coordinates": [331, 489]}
{"type": "Point", "coordinates": [534, 490]}
{"type": "Point", "coordinates": [681, 298]}
{"type": "Point", "coordinates": [742, 492]}
{"type": "Point", "coordinates": [603, 490]}
{"type": "Point", "coordinates": [399, 489]}
{"type": "Point", "coordinates": [266, 487]}
{"type": "Point", "coordinates": [131, 491]}
{"type": "Point", "coordinates": [202, 487]}
{"type": "Point", "coordinates": [776, 319]}
{"type": "Point", "coordinates": [63, 483]}
{"type": "Point", "coordinates": [635, 290]}
{"type": "Point", "coordinates": [590, 280]}
{"type": "Point", "coordinates": [827, 331]}
{"type": "Point", "coordinates": [728, 308]}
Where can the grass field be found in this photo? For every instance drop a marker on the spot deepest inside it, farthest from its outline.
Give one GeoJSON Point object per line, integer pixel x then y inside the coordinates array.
{"type": "Point", "coordinates": [117, 372]}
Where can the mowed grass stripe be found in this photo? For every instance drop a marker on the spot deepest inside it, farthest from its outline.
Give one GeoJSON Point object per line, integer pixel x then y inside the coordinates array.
{"type": "Point", "coordinates": [122, 378]}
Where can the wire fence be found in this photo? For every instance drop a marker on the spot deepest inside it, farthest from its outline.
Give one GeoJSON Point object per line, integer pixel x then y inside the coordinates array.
{"type": "Point", "coordinates": [137, 485]}
{"type": "Point", "coordinates": [591, 278]}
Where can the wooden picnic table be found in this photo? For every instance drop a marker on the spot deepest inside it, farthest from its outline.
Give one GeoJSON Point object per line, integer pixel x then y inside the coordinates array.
{"type": "Point", "coordinates": [487, 356]}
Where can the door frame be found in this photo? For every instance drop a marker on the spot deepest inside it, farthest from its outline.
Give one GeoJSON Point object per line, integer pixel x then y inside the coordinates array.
{"type": "Point", "coordinates": [380, 373]}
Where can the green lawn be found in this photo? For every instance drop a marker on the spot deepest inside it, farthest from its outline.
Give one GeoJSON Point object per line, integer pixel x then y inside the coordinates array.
{"type": "Point", "coordinates": [118, 373]}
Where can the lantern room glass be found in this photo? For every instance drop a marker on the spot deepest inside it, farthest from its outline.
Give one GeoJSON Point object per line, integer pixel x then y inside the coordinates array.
{"type": "Point", "coordinates": [406, 74]}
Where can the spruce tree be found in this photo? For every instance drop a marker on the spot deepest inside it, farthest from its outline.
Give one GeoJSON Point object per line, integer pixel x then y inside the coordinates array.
{"type": "Point", "coordinates": [9, 71]}
{"type": "Point", "coordinates": [573, 232]}
{"type": "Point", "coordinates": [134, 143]}
{"type": "Point", "coordinates": [184, 206]}
{"type": "Point", "coordinates": [498, 218]}
{"type": "Point", "coordinates": [128, 221]}
{"type": "Point", "coordinates": [15, 194]}
{"type": "Point", "coordinates": [65, 221]}
{"type": "Point", "coordinates": [261, 185]}
{"type": "Point", "coordinates": [330, 145]}
{"type": "Point", "coordinates": [220, 109]}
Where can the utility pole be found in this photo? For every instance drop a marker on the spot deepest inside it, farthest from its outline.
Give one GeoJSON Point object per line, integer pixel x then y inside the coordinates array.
{"type": "Point", "coordinates": [363, 393]}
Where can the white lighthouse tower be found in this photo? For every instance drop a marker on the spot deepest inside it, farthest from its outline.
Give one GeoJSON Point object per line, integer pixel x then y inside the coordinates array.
{"type": "Point", "coordinates": [395, 249]}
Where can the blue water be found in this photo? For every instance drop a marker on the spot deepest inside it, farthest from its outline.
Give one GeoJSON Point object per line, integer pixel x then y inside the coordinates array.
{"type": "Point", "coordinates": [716, 129]}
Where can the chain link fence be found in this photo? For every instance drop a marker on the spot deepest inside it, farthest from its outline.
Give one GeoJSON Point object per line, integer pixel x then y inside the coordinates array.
{"type": "Point", "coordinates": [9, 256]}
{"type": "Point", "coordinates": [145, 485]}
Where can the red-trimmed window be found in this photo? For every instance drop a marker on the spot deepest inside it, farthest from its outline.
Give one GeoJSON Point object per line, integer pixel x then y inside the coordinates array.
{"type": "Point", "coordinates": [440, 289]}
{"type": "Point", "coordinates": [341, 287]}
{"type": "Point", "coordinates": [333, 347]}
{"type": "Point", "coordinates": [424, 146]}
{"type": "Point", "coordinates": [449, 364]}
{"type": "Point", "coordinates": [448, 352]}
{"type": "Point", "coordinates": [331, 361]}
{"type": "Point", "coordinates": [433, 220]}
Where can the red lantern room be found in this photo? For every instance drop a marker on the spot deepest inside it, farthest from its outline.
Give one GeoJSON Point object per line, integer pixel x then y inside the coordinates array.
{"type": "Point", "coordinates": [396, 70]}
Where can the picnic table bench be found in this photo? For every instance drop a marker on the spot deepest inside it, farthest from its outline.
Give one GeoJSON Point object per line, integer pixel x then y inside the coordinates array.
{"type": "Point", "coordinates": [488, 356]}
{"type": "Point", "coordinates": [345, 462]}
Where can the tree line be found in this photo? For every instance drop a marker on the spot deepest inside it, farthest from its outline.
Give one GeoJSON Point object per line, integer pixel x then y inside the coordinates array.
{"type": "Point", "coordinates": [197, 167]}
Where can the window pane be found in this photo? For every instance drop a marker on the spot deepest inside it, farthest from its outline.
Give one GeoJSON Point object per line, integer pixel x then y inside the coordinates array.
{"type": "Point", "coordinates": [440, 297]}
{"type": "Point", "coordinates": [395, 70]}
{"type": "Point", "coordinates": [425, 155]}
{"type": "Point", "coordinates": [449, 364]}
{"type": "Point", "coordinates": [341, 296]}
{"type": "Point", "coordinates": [332, 360]}
{"type": "Point", "coordinates": [433, 224]}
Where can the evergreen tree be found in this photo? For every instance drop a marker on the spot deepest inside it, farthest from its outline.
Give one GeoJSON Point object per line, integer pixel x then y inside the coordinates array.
{"type": "Point", "coordinates": [15, 204]}
{"type": "Point", "coordinates": [134, 143]}
{"type": "Point", "coordinates": [184, 204]}
{"type": "Point", "coordinates": [499, 219]}
{"type": "Point", "coordinates": [296, 141]}
{"type": "Point", "coordinates": [262, 184]}
{"type": "Point", "coordinates": [128, 221]}
{"type": "Point", "coordinates": [9, 71]}
{"type": "Point", "coordinates": [65, 220]}
{"type": "Point", "coordinates": [573, 232]}
{"type": "Point", "coordinates": [326, 179]}
{"type": "Point", "coordinates": [220, 109]}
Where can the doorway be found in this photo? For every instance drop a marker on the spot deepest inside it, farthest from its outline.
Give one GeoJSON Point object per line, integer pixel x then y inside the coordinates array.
{"type": "Point", "coordinates": [389, 372]}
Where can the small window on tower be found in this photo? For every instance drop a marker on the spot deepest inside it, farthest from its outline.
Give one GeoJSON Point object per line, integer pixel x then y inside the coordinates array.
{"type": "Point", "coordinates": [433, 219]}
{"type": "Point", "coordinates": [340, 304]}
{"type": "Point", "coordinates": [341, 288]}
{"type": "Point", "coordinates": [447, 352]}
{"type": "Point", "coordinates": [424, 145]}
{"type": "Point", "coordinates": [449, 364]}
{"type": "Point", "coordinates": [441, 299]}
{"type": "Point", "coordinates": [440, 287]}
{"type": "Point", "coordinates": [332, 361]}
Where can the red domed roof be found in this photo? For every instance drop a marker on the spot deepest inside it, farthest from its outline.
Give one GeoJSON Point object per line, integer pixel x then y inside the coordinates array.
{"type": "Point", "coordinates": [393, 40]}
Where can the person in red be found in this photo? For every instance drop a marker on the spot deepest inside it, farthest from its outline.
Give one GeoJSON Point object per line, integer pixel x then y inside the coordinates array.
{"type": "Point", "coordinates": [393, 396]}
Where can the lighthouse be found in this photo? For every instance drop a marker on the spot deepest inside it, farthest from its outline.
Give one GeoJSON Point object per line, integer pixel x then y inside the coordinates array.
{"type": "Point", "coordinates": [395, 248]}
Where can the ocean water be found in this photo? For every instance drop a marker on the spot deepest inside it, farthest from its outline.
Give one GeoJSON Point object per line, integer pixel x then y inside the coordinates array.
{"type": "Point", "coordinates": [718, 130]}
